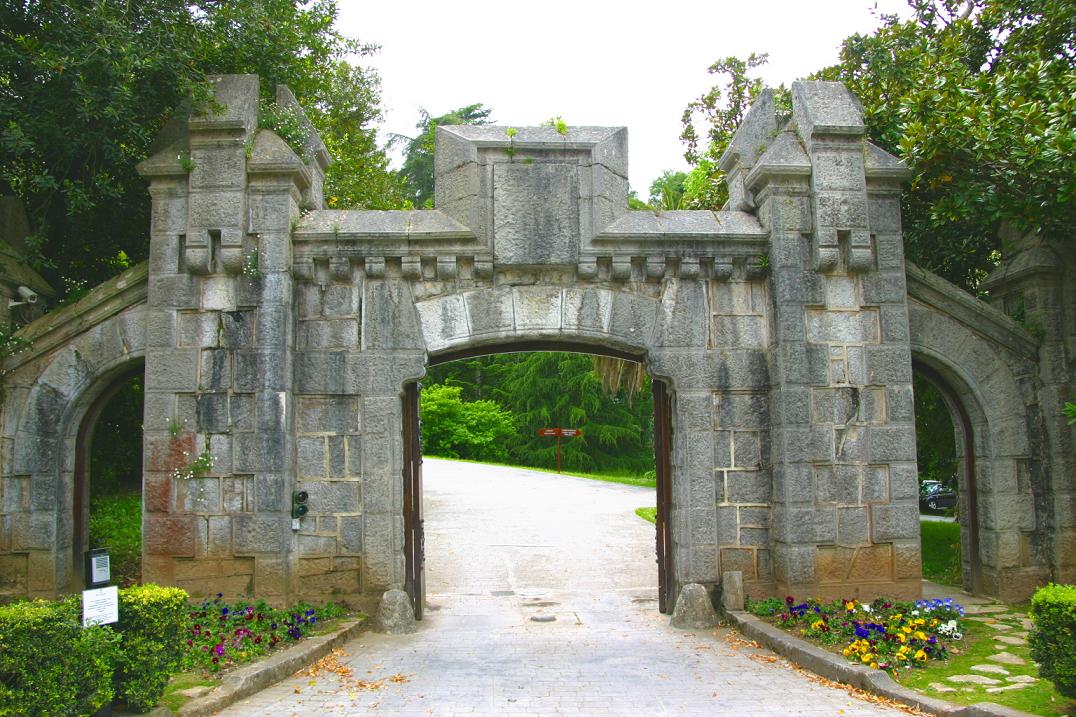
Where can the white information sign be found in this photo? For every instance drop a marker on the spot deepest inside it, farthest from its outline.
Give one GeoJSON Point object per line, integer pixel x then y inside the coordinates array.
{"type": "Point", "coordinates": [100, 568]}
{"type": "Point", "coordinates": [100, 606]}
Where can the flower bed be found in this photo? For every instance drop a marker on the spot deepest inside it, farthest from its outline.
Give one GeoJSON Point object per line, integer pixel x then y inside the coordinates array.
{"type": "Point", "coordinates": [220, 635]}
{"type": "Point", "coordinates": [883, 634]}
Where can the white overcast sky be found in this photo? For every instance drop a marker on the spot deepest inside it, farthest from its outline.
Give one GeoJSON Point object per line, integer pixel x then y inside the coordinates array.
{"type": "Point", "coordinates": [600, 63]}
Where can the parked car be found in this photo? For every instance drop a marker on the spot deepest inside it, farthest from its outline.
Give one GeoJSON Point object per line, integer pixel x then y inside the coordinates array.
{"type": "Point", "coordinates": [935, 495]}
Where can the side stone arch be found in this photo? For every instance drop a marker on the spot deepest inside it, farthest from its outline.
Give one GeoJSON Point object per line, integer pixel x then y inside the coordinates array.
{"type": "Point", "coordinates": [985, 368]}
{"type": "Point", "coordinates": [48, 395]}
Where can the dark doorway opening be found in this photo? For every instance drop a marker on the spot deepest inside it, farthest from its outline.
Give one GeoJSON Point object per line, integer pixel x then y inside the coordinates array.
{"type": "Point", "coordinates": [478, 376]}
{"type": "Point", "coordinates": [948, 499]}
{"type": "Point", "coordinates": [108, 478]}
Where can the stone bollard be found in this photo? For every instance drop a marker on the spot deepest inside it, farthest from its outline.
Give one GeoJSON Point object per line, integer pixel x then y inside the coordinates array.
{"type": "Point", "coordinates": [693, 609]}
{"type": "Point", "coordinates": [731, 590]}
{"type": "Point", "coordinates": [395, 615]}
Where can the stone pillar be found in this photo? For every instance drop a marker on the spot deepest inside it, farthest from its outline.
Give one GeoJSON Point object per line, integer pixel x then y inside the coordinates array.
{"type": "Point", "coordinates": [845, 512]}
{"type": "Point", "coordinates": [219, 441]}
{"type": "Point", "coordinates": [1036, 286]}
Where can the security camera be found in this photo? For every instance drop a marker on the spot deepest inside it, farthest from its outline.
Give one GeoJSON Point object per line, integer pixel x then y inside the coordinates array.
{"type": "Point", "coordinates": [28, 296]}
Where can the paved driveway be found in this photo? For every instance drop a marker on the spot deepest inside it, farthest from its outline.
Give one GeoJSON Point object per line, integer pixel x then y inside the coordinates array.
{"type": "Point", "coordinates": [506, 545]}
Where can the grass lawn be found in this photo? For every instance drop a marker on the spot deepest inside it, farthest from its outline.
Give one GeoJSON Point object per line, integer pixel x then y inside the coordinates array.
{"type": "Point", "coordinates": [622, 477]}
{"type": "Point", "coordinates": [172, 699]}
{"type": "Point", "coordinates": [941, 552]}
{"type": "Point", "coordinates": [1038, 698]}
{"type": "Point", "coordinates": [648, 514]}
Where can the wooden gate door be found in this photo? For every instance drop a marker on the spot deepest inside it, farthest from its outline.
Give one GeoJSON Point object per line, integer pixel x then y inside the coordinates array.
{"type": "Point", "coordinates": [414, 540]}
{"type": "Point", "coordinates": [663, 465]}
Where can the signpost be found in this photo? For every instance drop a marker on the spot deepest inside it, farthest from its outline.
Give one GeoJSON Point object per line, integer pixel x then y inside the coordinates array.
{"type": "Point", "coordinates": [100, 601]}
{"type": "Point", "coordinates": [559, 433]}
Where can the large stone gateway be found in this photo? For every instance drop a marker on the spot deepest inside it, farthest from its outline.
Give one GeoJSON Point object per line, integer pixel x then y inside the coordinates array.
{"type": "Point", "coordinates": [279, 339]}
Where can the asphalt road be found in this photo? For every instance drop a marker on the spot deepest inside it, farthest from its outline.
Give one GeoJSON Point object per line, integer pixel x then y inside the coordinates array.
{"type": "Point", "coordinates": [507, 545]}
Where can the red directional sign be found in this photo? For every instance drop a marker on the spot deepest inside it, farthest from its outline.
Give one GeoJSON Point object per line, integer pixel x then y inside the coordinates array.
{"type": "Point", "coordinates": [559, 433]}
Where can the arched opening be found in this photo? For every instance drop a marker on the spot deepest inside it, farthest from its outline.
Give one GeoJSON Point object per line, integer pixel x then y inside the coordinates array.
{"type": "Point", "coordinates": [948, 485]}
{"type": "Point", "coordinates": [107, 481]}
{"type": "Point", "coordinates": [503, 402]}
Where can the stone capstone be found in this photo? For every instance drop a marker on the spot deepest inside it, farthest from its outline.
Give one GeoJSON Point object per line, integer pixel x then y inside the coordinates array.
{"type": "Point", "coordinates": [395, 615]}
{"type": "Point", "coordinates": [693, 610]}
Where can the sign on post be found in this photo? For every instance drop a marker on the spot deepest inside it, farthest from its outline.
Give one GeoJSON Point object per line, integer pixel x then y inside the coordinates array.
{"type": "Point", "coordinates": [98, 568]}
{"type": "Point", "coordinates": [100, 602]}
{"type": "Point", "coordinates": [100, 606]}
{"type": "Point", "coordinates": [559, 433]}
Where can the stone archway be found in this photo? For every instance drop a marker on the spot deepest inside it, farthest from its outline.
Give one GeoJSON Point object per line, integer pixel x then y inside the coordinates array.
{"type": "Point", "coordinates": [48, 399]}
{"type": "Point", "coordinates": [86, 430]}
{"type": "Point", "coordinates": [592, 320]}
{"type": "Point", "coordinates": [280, 335]}
{"type": "Point", "coordinates": [987, 387]}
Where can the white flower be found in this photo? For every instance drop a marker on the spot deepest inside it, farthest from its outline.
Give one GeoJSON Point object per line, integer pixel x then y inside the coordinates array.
{"type": "Point", "coordinates": [915, 612]}
{"type": "Point", "coordinates": [866, 608]}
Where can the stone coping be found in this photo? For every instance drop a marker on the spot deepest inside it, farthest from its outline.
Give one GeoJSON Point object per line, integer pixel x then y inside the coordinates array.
{"type": "Point", "coordinates": [833, 667]}
{"type": "Point", "coordinates": [255, 677]}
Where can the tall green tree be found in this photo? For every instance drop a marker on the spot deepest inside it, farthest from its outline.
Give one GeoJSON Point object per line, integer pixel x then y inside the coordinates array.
{"type": "Point", "coordinates": [719, 111]}
{"type": "Point", "coordinates": [667, 191]}
{"type": "Point", "coordinates": [556, 389]}
{"type": "Point", "coordinates": [977, 96]}
{"type": "Point", "coordinates": [417, 169]}
{"type": "Point", "coordinates": [86, 85]}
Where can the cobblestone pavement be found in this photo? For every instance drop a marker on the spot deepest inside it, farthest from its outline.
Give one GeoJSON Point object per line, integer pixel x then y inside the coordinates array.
{"type": "Point", "coordinates": [507, 545]}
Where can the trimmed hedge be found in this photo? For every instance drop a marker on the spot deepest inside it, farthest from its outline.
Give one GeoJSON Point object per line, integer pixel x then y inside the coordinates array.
{"type": "Point", "coordinates": [49, 665]}
{"type": "Point", "coordinates": [1053, 638]}
{"type": "Point", "coordinates": [151, 623]}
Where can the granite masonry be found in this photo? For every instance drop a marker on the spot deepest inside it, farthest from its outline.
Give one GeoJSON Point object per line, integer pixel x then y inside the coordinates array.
{"type": "Point", "coordinates": [276, 337]}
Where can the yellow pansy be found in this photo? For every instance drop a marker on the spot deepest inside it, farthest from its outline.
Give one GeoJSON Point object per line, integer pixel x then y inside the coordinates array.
{"type": "Point", "coordinates": [921, 656]}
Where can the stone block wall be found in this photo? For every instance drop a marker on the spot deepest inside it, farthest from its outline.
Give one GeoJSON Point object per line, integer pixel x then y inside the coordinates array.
{"type": "Point", "coordinates": [845, 515]}
{"type": "Point", "coordinates": [278, 337]}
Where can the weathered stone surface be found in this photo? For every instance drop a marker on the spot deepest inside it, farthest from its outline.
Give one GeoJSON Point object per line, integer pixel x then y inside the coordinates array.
{"type": "Point", "coordinates": [536, 214]}
{"type": "Point", "coordinates": [1007, 658]}
{"type": "Point", "coordinates": [693, 610]}
{"type": "Point", "coordinates": [972, 680]}
{"type": "Point", "coordinates": [395, 615]}
{"type": "Point", "coordinates": [793, 453]}
{"type": "Point", "coordinates": [732, 597]}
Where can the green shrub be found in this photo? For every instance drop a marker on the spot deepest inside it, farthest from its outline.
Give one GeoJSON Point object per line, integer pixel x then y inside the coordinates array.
{"type": "Point", "coordinates": [454, 428]}
{"type": "Point", "coordinates": [116, 524]}
{"type": "Point", "coordinates": [1053, 638]}
{"type": "Point", "coordinates": [765, 607]}
{"type": "Point", "coordinates": [51, 666]}
{"type": "Point", "coordinates": [152, 622]}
